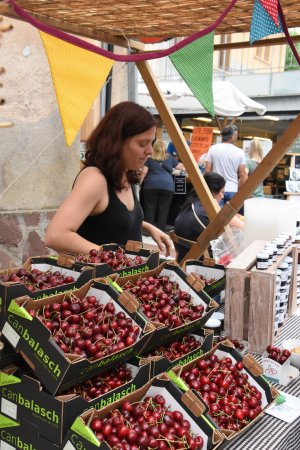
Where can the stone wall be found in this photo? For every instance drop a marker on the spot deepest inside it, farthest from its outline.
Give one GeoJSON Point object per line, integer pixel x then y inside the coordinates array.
{"type": "Point", "coordinates": [21, 236]}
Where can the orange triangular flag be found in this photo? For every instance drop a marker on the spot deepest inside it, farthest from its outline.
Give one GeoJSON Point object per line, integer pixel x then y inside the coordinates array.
{"type": "Point", "coordinates": [78, 76]}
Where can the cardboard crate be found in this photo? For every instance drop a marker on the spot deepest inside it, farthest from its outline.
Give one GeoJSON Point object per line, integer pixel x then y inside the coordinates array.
{"type": "Point", "coordinates": [8, 355]}
{"type": "Point", "coordinates": [23, 397]}
{"type": "Point", "coordinates": [253, 369]}
{"type": "Point", "coordinates": [210, 271]}
{"type": "Point", "coordinates": [22, 435]}
{"type": "Point", "coordinates": [163, 364]}
{"type": "Point", "coordinates": [82, 437]}
{"type": "Point", "coordinates": [132, 249]}
{"type": "Point", "coordinates": [188, 283]}
{"type": "Point", "coordinates": [56, 370]}
{"type": "Point", "coordinates": [63, 263]}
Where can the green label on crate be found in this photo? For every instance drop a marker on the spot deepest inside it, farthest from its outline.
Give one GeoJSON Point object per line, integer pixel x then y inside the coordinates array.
{"type": "Point", "coordinates": [208, 422]}
{"type": "Point", "coordinates": [19, 310]}
{"type": "Point", "coordinates": [178, 381]}
{"type": "Point", "coordinates": [8, 379]}
{"type": "Point", "coordinates": [80, 428]}
{"type": "Point", "coordinates": [114, 284]}
{"type": "Point", "coordinates": [6, 422]}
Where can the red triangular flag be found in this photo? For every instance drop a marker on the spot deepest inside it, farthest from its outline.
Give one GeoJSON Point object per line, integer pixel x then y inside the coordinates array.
{"type": "Point", "coordinates": [271, 6]}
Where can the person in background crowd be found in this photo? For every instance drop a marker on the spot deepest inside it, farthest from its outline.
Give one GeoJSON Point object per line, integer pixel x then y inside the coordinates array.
{"type": "Point", "coordinates": [255, 157]}
{"type": "Point", "coordinates": [193, 219]}
{"type": "Point", "coordinates": [171, 149]}
{"type": "Point", "coordinates": [102, 206]}
{"type": "Point", "coordinates": [229, 161]}
{"type": "Point", "coordinates": [158, 185]}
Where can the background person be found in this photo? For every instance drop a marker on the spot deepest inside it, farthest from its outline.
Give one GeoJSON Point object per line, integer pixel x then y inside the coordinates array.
{"type": "Point", "coordinates": [229, 161]}
{"type": "Point", "coordinates": [255, 157]}
{"type": "Point", "coordinates": [192, 219]}
{"type": "Point", "coordinates": [102, 206]}
{"type": "Point", "coordinates": [158, 185]}
{"type": "Point", "coordinates": [171, 149]}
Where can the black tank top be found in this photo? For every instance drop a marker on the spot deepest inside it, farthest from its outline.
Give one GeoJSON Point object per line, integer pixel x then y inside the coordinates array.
{"type": "Point", "coordinates": [116, 224]}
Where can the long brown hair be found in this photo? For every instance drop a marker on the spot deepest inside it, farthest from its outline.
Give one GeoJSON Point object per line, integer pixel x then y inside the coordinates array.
{"type": "Point", "coordinates": [105, 144]}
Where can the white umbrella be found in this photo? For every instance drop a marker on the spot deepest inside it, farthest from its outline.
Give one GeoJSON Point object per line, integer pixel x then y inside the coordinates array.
{"type": "Point", "coordinates": [228, 100]}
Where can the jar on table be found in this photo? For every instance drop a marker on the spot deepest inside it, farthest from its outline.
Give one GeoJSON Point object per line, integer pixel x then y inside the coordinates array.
{"type": "Point", "coordinates": [262, 261]}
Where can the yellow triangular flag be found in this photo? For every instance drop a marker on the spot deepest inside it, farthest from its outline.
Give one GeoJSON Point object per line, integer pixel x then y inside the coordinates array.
{"type": "Point", "coordinates": [78, 76]}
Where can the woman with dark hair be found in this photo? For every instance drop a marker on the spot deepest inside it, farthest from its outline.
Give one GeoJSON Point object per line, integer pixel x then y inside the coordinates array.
{"type": "Point", "coordinates": [192, 218]}
{"type": "Point", "coordinates": [102, 206]}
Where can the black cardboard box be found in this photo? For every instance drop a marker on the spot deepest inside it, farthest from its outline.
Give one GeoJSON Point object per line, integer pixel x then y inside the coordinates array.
{"type": "Point", "coordinates": [82, 437]}
{"type": "Point", "coordinates": [251, 367]}
{"type": "Point", "coordinates": [63, 263]}
{"type": "Point", "coordinates": [23, 397]}
{"type": "Point", "coordinates": [55, 369]}
{"type": "Point", "coordinates": [22, 435]}
{"type": "Point", "coordinates": [131, 249]}
{"type": "Point", "coordinates": [163, 364]}
{"type": "Point", "coordinates": [215, 274]}
{"type": "Point", "coordinates": [188, 283]}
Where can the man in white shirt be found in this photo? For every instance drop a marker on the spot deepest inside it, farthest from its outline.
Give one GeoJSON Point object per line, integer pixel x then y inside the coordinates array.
{"type": "Point", "coordinates": [229, 161]}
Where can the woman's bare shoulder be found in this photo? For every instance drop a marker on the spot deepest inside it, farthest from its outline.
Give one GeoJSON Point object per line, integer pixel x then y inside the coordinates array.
{"type": "Point", "coordinates": [90, 175]}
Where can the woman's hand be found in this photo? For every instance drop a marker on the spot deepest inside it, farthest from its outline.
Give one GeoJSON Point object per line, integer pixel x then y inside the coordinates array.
{"type": "Point", "coordinates": [162, 240]}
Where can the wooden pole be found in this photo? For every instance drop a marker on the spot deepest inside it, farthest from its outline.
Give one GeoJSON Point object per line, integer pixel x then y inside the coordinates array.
{"type": "Point", "coordinates": [186, 156]}
{"type": "Point", "coordinates": [215, 227]}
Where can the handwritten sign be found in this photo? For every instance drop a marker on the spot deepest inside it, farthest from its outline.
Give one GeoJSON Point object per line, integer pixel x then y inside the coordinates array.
{"type": "Point", "coordinates": [201, 141]}
{"type": "Point", "coordinates": [180, 184]}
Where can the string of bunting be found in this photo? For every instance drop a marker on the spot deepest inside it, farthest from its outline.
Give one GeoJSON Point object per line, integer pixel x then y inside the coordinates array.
{"type": "Point", "coordinates": [141, 56]}
{"type": "Point", "coordinates": [79, 69]}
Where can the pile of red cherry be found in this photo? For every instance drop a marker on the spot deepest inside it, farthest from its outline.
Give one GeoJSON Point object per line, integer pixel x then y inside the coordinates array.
{"type": "Point", "coordinates": [101, 384]}
{"type": "Point", "coordinates": [36, 280]}
{"type": "Point", "coordinates": [206, 281]}
{"type": "Point", "coordinates": [232, 401]}
{"type": "Point", "coordinates": [163, 301]}
{"type": "Point", "coordinates": [277, 354]}
{"type": "Point", "coordinates": [176, 349]}
{"type": "Point", "coordinates": [148, 424]}
{"type": "Point", "coordinates": [116, 259]}
{"type": "Point", "coordinates": [88, 328]}
{"type": "Point", "coordinates": [237, 344]}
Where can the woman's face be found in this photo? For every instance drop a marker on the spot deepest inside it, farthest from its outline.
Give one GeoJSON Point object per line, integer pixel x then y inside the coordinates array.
{"type": "Point", "coordinates": [219, 195]}
{"type": "Point", "coordinates": [137, 148]}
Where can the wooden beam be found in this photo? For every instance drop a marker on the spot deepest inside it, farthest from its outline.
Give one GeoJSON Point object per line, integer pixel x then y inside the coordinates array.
{"type": "Point", "coordinates": [79, 30]}
{"type": "Point", "coordinates": [186, 156]}
{"type": "Point", "coordinates": [261, 43]}
{"type": "Point", "coordinates": [216, 226]}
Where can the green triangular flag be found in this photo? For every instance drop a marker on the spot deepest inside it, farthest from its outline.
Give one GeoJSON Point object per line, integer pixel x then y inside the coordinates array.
{"type": "Point", "coordinates": [195, 64]}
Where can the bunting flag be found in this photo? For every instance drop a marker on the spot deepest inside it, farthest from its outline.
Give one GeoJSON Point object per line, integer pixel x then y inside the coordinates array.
{"type": "Point", "coordinates": [195, 65]}
{"type": "Point", "coordinates": [271, 6]}
{"type": "Point", "coordinates": [78, 76]}
{"type": "Point", "coordinates": [262, 23]}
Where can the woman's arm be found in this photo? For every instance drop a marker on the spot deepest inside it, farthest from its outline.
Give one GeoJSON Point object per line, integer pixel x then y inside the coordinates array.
{"type": "Point", "coordinates": [90, 190]}
{"type": "Point", "coordinates": [162, 240]}
{"type": "Point", "coordinates": [237, 222]}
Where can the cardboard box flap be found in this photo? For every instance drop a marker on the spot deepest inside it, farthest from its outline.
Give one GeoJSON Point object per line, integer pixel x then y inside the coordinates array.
{"type": "Point", "coordinates": [213, 304]}
{"type": "Point", "coordinates": [250, 362]}
{"type": "Point", "coordinates": [217, 437]}
{"type": "Point", "coordinates": [65, 260]}
{"type": "Point", "coordinates": [209, 262]}
{"type": "Point", "coordinates": [128, 301]}
{"type": "Point", "coordinates": [133, 246]}
{"type": "Point", "coordinates": [193, 403]}
{"type": "Point", "coordinates": [195, 281]}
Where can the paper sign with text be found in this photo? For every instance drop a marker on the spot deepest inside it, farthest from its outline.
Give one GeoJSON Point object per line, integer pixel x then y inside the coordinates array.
{"type": "Point", "coordinates": [201, 141]}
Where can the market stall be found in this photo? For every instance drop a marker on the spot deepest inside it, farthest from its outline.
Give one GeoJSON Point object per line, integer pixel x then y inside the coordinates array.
{"type": "Point", "coordinates": [80, 341]}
